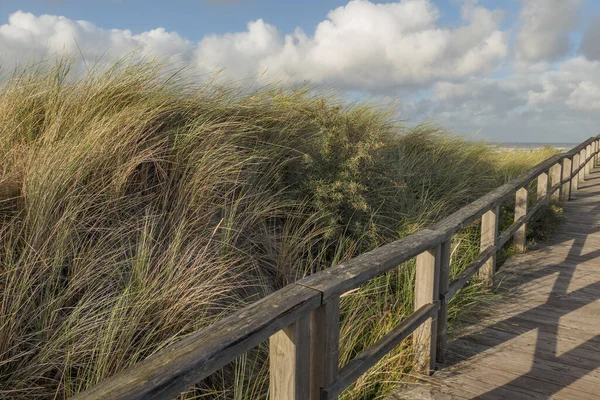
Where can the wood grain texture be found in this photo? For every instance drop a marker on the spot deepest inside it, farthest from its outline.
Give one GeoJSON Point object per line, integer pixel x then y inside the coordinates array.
{"type": "Point", "coordinates": [540, 338]}
{"type": "Point", "coordinates": [489, 233]}
{"type": "Point", "coordinates": [350, 274]}
{"type": "Point", "coordinates": [442, 318]}
{"type": "Point", "coordinates": [567, 166]}
{"type": "Point", "coordinates": [324, 347]}
{"type": "Point", "coordinates": [542, 185]}
{"type": "Point", "coordinates": [289, 362]}
{"type": "Point", "coordinates": [183, 364]}
{"type": "Point", "coordinates": [556, 173]}
{"type": "Point", "coordinates": [353, 273]}
{"type": "Point", "coordinates": [180, 366]}
{"type": "Point", "coordinates": [575, 172]}
{"type": "Point", "coordinates": [369, 357]}
{"type": "Point", "coordinates": [582, 162]}
{"type": "Point", "coordinates": [588, 151]}
{"type": "Point", "coordinates": [520, 236]}
{"type": "Point", "coordinates": [426, 292]}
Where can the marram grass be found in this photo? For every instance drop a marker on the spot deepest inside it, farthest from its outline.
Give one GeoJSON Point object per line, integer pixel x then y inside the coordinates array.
{"type": "Point", "coordinates": [137, 207]}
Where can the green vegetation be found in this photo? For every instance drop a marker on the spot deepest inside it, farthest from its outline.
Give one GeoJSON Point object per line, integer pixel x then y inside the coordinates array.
{"type": "Point", "coordinates": [136, 208]}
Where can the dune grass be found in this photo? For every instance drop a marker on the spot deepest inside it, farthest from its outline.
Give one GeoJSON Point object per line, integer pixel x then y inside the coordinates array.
{"type": "Point", "coordinates": [137, 207]}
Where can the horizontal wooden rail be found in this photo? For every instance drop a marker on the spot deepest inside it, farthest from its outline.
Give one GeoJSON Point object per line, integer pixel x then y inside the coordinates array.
{"type": "Point", "coordinates": [302, 320]}
{"type": "Point", "coordinates": [461, 280]}
{"type": "Point", "coordinates": [188, 361]}
{"type": "Point", "coordinates": [369, 357]}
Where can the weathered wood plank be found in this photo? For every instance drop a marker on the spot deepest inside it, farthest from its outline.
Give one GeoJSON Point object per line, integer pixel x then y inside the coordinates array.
{"type": "Point", "coordinates": [505, 382]}
{"type": "Point", "coordinates": [579, 147]}
{"type": "Point", "coordinates": [462, 278]}
{"type": "Point", "coordinates": [544, 369]}
{"type": "Point", "coordinates": [325, 342]}
{"type": "Point", "coordinates": [442, 318]}
{"type": "Point", "coordinates": [540, 338]}
{"type": "Point", "coordinates": [582, 162]}
{"type": "Point", "coordinates": [465, 275]}
{"type": "Point", "coordinates": [517, 332]}
{"type": "Point", "coordinates": [180, 366]}
{"type": "Point", "coordinates": [542, 185]}
{"type": "Point", "coordinates": [556, 174]}
{"type": "Point", "coordinates": [426, 292]}
{"type": "Point", "coordinates": [489, 232]}
{"type": "Point", "coordinates": [289, 362]}
{"type": "Point", "coordinates": [545, 347]}
{"type": "Point", "coordinates": [575, 172]}
{"type": "Point", "coordinates": [520, 238]}
{"type": "Point", "coordinates": [352, 273]}
{"type": "Point", "coordinates": [369, 357]}
{"type": "Point", "coordinates": [588, 163]}
{"type": "Point", "coordinates": [567, 165]}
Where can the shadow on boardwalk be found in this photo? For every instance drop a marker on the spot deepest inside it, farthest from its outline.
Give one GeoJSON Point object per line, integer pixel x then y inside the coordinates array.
{"type": "Point", "coordinates": [542, 338]}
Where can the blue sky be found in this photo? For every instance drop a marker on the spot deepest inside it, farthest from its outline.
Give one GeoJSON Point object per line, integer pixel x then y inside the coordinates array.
{"type": "Point", "coordinates": [191, 18]}
{"type": "Point", "coordinates": [196, 18]}
{"type": "Point", "coordinates": [509, 70]}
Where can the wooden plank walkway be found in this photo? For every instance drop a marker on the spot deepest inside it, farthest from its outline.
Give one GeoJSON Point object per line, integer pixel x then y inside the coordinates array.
{"type": "Point", "coordinates": [540, 338]}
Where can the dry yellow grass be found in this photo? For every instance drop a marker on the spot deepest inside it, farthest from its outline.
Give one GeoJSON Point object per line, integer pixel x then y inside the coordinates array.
{"type": "Point", "coordinates": [137, 207]}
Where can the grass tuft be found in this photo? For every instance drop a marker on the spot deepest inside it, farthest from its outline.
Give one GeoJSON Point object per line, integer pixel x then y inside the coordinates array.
{"type": "Point", "coordinates": [137, 207]}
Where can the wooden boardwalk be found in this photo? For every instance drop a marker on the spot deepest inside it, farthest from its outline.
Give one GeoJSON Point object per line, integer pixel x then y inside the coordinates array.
{"type": "Point", "coordinates": [540, 337]}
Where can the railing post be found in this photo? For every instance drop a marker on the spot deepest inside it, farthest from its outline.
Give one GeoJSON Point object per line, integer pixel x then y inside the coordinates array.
{"type": "Point", "coordinates": [575, 177]}
{"type": "Point", "coordinates": [556, 172]}
{"type": "Point", "coordinates": [289, 362]}
{"type": "Point", "coordinates": [442, 320]}
{"type": "Point", "coordinates": [588, 163]}
{"type": "Point", "coordinates": [324, 346]}
{"type": "Point", "coordinates": [542, 185]}
{"type": "Point", "coordinates": [520, 237]}
{"type": "Point", "coordinates": [582, 157]}
{"type": "Point", "coordinates": [489, 233]}
{"type": "Point", "coordinates": [426, 292]}
{"type": "Point", "coordinates": [567, 168]}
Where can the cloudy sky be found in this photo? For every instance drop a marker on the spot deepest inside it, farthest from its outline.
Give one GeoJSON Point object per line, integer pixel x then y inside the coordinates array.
{"type": "Point", "coordinates": [510, 70]}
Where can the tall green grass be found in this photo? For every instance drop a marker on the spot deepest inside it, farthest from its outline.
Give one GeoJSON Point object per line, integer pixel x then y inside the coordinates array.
{"type": "Point", "coordinates": [137, 207]}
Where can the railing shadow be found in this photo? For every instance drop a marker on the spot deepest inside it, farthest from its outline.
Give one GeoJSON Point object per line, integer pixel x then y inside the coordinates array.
{"type": "Point", "coordinates": [560, 302]}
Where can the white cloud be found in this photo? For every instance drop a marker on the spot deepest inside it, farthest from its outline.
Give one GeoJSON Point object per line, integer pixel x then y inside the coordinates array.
{"type": "Point", "coordinates": [464, 73]}
{"type": "Point", "coordinates": [559, 104]}
{"type": "Point", "coordinates": [589, 44]}
{"type": "Point", "coordinates": [366, 46]}
{"type": "Point", "coordinates": [241, 54]}
{"type": "Point", "coordinates": [586, 96]}
{"type": "Point", "coordinates": [27, 37]}
{"type": "Point", "coordinates": [361, 46]}
{"type": "Point", "coordinates": [544, 28]}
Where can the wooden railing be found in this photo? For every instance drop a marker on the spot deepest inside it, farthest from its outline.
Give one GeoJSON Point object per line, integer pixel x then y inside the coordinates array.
{"type": "Point", "coordinates": [302, 320]}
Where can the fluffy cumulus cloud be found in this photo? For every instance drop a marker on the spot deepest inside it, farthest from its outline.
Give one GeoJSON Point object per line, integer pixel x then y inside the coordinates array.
{"type": "Point", "coordinates": [366, 46]}
{"type": "Point", "coordinates": [527, 81]}
{"type": "Point", "coordinates": [530, 104]}
{"type": "Point", "coordinates": [544, 28]}
{"type": "Point", "coordinates": [28, 37]}
{"type": "Point", "coordinates": [361, 46]}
